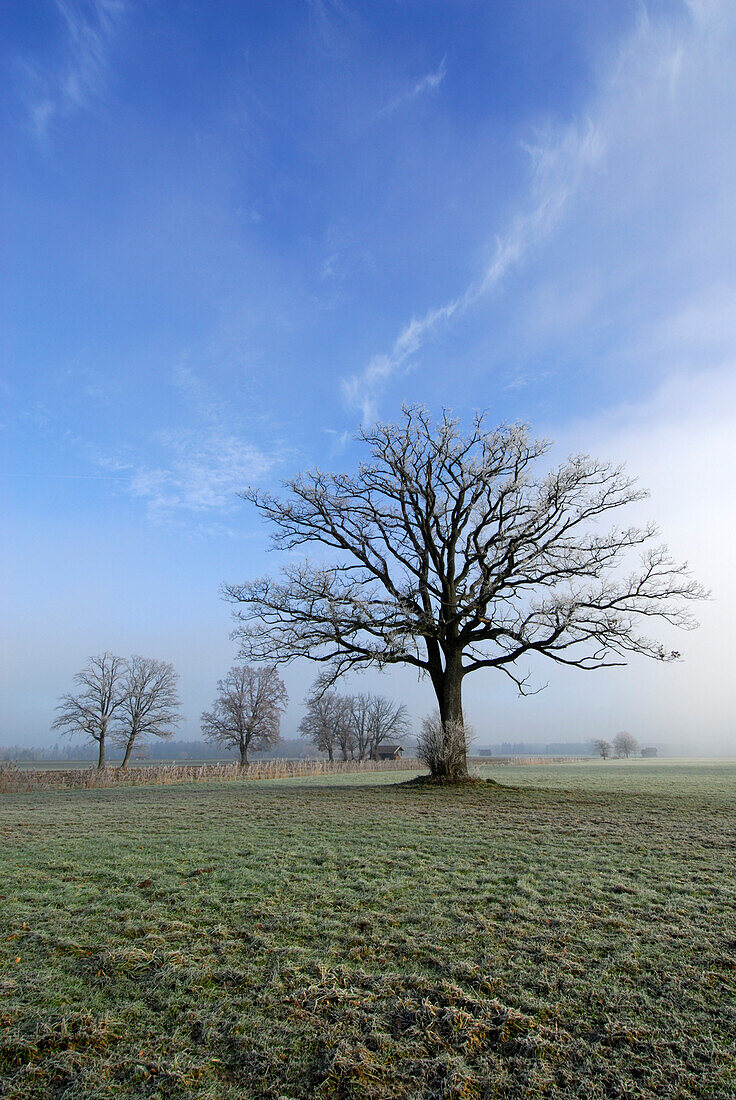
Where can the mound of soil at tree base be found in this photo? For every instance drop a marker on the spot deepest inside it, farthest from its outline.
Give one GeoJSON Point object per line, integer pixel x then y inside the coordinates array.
{"type": "Point", "coordinates": [461, 781]}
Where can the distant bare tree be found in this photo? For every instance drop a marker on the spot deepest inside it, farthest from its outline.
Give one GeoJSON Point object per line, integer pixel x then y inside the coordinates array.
{"type": "Point", "coordinates": [358, 721]}
{"type": "Point", "coordinates": [625, 744]}
{"type": "Point", "coordinates": [344, 729]}
{"type": "Point", "coordinates": [92, 710]}
{"type": "Point", "coordinates": [452, 553]}
{"type": "Point", "coordinates": [375, 719]}
{"type": "Point", "coordinates": [150, 703]}
{"type": "Point", "coordinates": [603, 748]}
{"type": "Point", "coordinates": [247, 712]}
{"type": "Point", "coordinates": [326, 723]}
{"type": "Point", "coordinates": [390, 721]}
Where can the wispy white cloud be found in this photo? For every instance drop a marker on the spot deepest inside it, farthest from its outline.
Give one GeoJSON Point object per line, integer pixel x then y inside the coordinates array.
{"type": "Point", "coordinates": [641, 283]}
{"type": "Point", "coordinates": [635, 94]}
{"type": "Point", "coordinates": [559, 164]}
{"type": "Point", "coordinates": [204, 472]}
{"type": "Point", "coordinates": [340, 440]}
{"type": "Point", "coordinates": [330, 19]}
{"type": "Point", "coordinates": [199, 469]}
{"type": "Point", "coordinates": [427, 83]}
{"type": "Point", "coordinates": [79, 75]}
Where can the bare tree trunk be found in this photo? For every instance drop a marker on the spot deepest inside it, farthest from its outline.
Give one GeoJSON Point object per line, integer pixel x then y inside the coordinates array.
{"type": "Point", "coordinates": [128, 751]}
{"type": "Point", "coordinates": [101, 757]}
{"type": "Point", "coordinates": [449, 690]}
{"type": "Point", "coordinates": [243, 755]}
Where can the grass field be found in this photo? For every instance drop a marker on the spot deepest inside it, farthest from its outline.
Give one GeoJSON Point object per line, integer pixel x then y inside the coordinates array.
{"type": "Point", "coordinates": [571, 933]}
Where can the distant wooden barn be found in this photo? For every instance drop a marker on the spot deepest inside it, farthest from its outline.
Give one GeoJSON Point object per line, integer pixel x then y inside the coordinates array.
{"type": "Point", "coordinates": [387, 752]}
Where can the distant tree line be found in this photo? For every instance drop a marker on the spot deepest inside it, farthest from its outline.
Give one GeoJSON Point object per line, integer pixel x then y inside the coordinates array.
{"type": "Point", "coordinates": [179, 750]}
{"type": "Point", "coordinates": [122, 702]}
{"type": "Point", "coordinates": [39, 753]}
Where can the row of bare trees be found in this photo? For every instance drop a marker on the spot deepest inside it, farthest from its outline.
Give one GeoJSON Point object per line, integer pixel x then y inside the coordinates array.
{"type": "Point", "coordinates": [123, 700]}
{"type": "Point", "coordinates": [126, 700]}
{"type": "Point", "coordinates": [352, 726]}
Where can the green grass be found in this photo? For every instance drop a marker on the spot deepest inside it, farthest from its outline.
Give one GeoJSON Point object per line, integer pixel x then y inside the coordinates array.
{"type": "Point", "coordinates": [571, 933]}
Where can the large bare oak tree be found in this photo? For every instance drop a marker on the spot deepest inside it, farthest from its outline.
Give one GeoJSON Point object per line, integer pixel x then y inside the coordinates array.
{"type": "Point", "coordinates": [455, 552]}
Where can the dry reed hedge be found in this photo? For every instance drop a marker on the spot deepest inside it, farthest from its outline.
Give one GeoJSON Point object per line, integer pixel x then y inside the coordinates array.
{"type": "Point", "coordinates": [14, 779]}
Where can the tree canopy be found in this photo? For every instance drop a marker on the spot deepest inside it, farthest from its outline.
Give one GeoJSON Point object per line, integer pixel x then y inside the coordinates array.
{"type": "Point", "coordinates": [247, 711]}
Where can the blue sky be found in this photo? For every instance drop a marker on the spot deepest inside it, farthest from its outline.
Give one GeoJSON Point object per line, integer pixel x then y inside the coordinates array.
{"type": "Point", "coordinates": [231, 232]}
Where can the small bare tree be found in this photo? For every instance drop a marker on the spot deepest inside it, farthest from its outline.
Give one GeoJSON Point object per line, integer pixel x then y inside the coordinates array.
{"type": "Point", "coordinates": [150, 703]}
{"type": "Point", "coordinates": [451, 552]}
{"type": "Point", "coordinates": [625, 744]}
{"type": "Point", "coordinates": [326, 723]}
{"type": "Point", "coordinates": [603, 748]}
{"type": "Point", "coordinates": [92, 710]}
{"type": "Point", "coordinates": [247, 712]}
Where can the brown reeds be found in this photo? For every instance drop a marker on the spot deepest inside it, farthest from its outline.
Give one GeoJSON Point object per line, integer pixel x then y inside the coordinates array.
{"type": "Point", "coordinates": [14, 779]}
